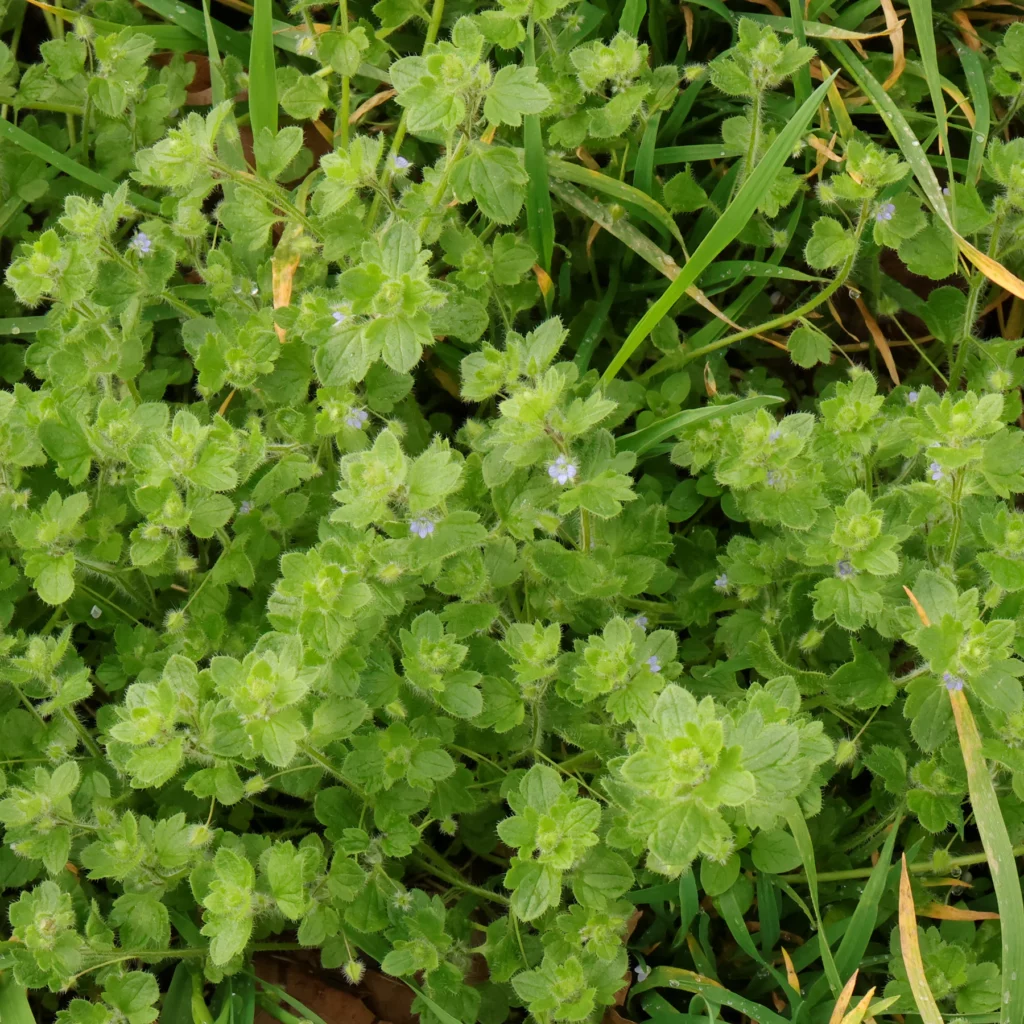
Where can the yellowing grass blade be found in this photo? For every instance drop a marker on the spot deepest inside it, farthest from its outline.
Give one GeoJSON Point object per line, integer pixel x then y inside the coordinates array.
{"type": "Point", "coordinates": [944, 912]}
{"type": "Point", "coordinates": [911, 949]}
{"type": "Point", "coordinates": [844, 1000]}
{"type": "Point", "coordinates": [857, 1014]}
{"type": "Point", "coordinates": [791, 976]}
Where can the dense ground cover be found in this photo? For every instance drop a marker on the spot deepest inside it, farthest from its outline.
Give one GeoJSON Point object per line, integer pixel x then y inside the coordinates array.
{"type": "Point", "coordinates": [520, 497]}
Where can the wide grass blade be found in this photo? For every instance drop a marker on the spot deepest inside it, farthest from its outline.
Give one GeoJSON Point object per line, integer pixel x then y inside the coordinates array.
{"type": "Point", "coordinates": [262, 71]}
{"type": "Point", "coordinates": [798, 826]}
{"type": "Point", "coordinates": [165, 37]}
{"type": "Point", "coordinates": [14, 1007]}
{"type": "Point", "coordinates": [191, 20]}
{"type": "Point", "coordinates": [72, 168]}
{"type": "Point", "coordinates": [911, 949]}
{"type": "Point", "coordinates": [924, 29]}
{"type": "Point", "coordinates": [815, 29]}
{"type": "Point", "coordinates": [974, 73]}
{"type": "Point", "coordinates": [1001, 861]}
{"type": "Point", "coordinates": [643, 440]}
{"type": "Point", "coordinates": [736, 216]}
{"type": "Point", "coordinates": [561, 170]}
{"type": "Point", "coordinates": [712, 991]}
{"type": "Point", "coordinates": [540, 217]}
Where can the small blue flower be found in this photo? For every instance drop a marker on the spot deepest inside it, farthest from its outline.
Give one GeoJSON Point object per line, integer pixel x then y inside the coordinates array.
{"type": "Point", "coordinates": [945, 190]}
{"type": "Point", "coordinates": [245, 508]}
{"type": "Point", "coordinates": [357, 418]}
{"type": "Point", "coordinates": [844, 569]}
{"type": "Point", "coordinates": [562, 470]}
{"type": "Point", "coordinates": [422, 528]}
{"type": "Point", "coordinates": [653, 664]}
{"type": "Point", "coordinates": [339, 317]}
{"type": "Point", "coordinates": [912, 397]}
{"type": "Point", "coordinates": [936, 473]}
{"type": "Point", "coordinates": [772, 479]}
{"type": "Point", "coordinates": [641, 621]}
{"type": "Point", "coordinates": [775, 435]}
{"type": "Point", "coordinates": [401, 164]}
{"type": "Point", "coordinates": [953, 683]}
{"type": "Point", "coordinates": [641, 972]}
{"type": "Point", "coordinates": [141, 244]}
{"type": "Point", "coordinates": [722, 582]}
{"type": "Point", "coordinates": [95, 611]}
{"type": "Point", "coordinates": [885, 212]}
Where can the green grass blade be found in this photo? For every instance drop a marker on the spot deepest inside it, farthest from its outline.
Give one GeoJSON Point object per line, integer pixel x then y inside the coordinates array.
{"type": "Point", "coordinates": [688, 154]}
{"type": "Point", "coordinates": [811, 29]}
{"type": "Point", "coordinates": [924, 29]}
{"type": "Point", "coordinates": [681, 110]}
{"type": "Point", "coordinates": [632, 16]}
{"type": "Point", "coordinates": [864, 918]}
{"type": "Point", "coordinates": [974, 73]}
{"type": "Point", "coordinates": [14, 1007]}
{"type": "Point", "coordinates": [72, 168]}
{"type": "Point", "coordinates": [540, 217]}
{"type": "Point", "coordinates": [739, 270]}
{"type": "Point", "coordinates": [687, 981]}
{"type": "Point", "coordinates": [643, 440]}
{"type": "Point", "coordinates": [725, 228]}
{"type": "Point", "coordinates": [262, 71]}
{"type": "Point", "coordinates": [165, 37]}
{"type": "Point", "coordinates": [798, 827]}
{"type": "Point", "coordinates": [802, 79]}
{"type": "Point", "coordinates": [643, 170]}
{"type": "Point", "coordinates": [191, 20]}
{"type": "Point", "coordinates": [1001, 861]}
{"type": "Point", "coordinates": [619, 190]}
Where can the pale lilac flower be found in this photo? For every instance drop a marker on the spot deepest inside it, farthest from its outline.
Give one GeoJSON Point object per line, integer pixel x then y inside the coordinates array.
{"type": "Point", "coordinates": [772, 479]}
{"type": "Point", "coordinates": [844, 569]}
{"type": "Point", "coordinates": [339, 317]}
{"type": "Point", "coordinates": [654, 664]}
{"type": "Point", "coordinates": [141, 244]}
{"type": "Point", "coordinates": [885, 212]}
{"type": "Point", "coordinates": [95, 611]}
{"type": "Point", "coordinates": [641, 621]}
{"type": "Point", "coordinates": [953, 683]}
{"type": "Point", "coordinates": [722, 582]}
{"type": "Point", "coordinates": [245, 508]}
{"type": "Point", "coordinates": [641, 972]}
{"type": "Point", "coordinates": [912, 397]}
{"type": "Point", "coordinates": [775, 435]}
{"type": "Point", "coordinates": [945, 190]}
{"type": "Point", "coordinates": [401, 164]}
{"type": "Point", "coordinates": [357, 418]}
{"type": "Point", "coordinates": [935, 470]}
{"type": "Point", "coordinates": [422, 528]}
{"type": "Point", "coordinates": [562, 470]}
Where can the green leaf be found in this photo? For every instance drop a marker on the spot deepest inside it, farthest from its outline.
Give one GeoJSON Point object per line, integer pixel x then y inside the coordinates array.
{"type": "Point", "coordinates": [830, 244]}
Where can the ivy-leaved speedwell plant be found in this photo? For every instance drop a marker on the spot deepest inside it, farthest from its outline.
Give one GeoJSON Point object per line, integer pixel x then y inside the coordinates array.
{"type": "Point", "coordinates": [347, 607]}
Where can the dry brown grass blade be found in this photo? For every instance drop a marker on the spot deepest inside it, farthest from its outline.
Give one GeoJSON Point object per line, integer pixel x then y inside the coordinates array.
{"type": "Point", "coordinates": [899, 60]}
{"type": "Point", "coordinates": [283, 267]}
{"type": "Point", "coordinates": [967, 31]}
{"type": "Point", "coordinates": [688, 19]}
{"type": "Point", "coordinates": [1015, 321]}
{"type": "Point", "coordinates": [911, 950]}
{"type": "Point", "coordinates": [367, 105]}
{"type": "Point", "coordinates": [879, 339]}
{"type": "Point", "coordinates": [791, 976]}
{"type": "Point", "coordinates": [944, 912]}
{"type": "Point", "coordinates": [918, 607]}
